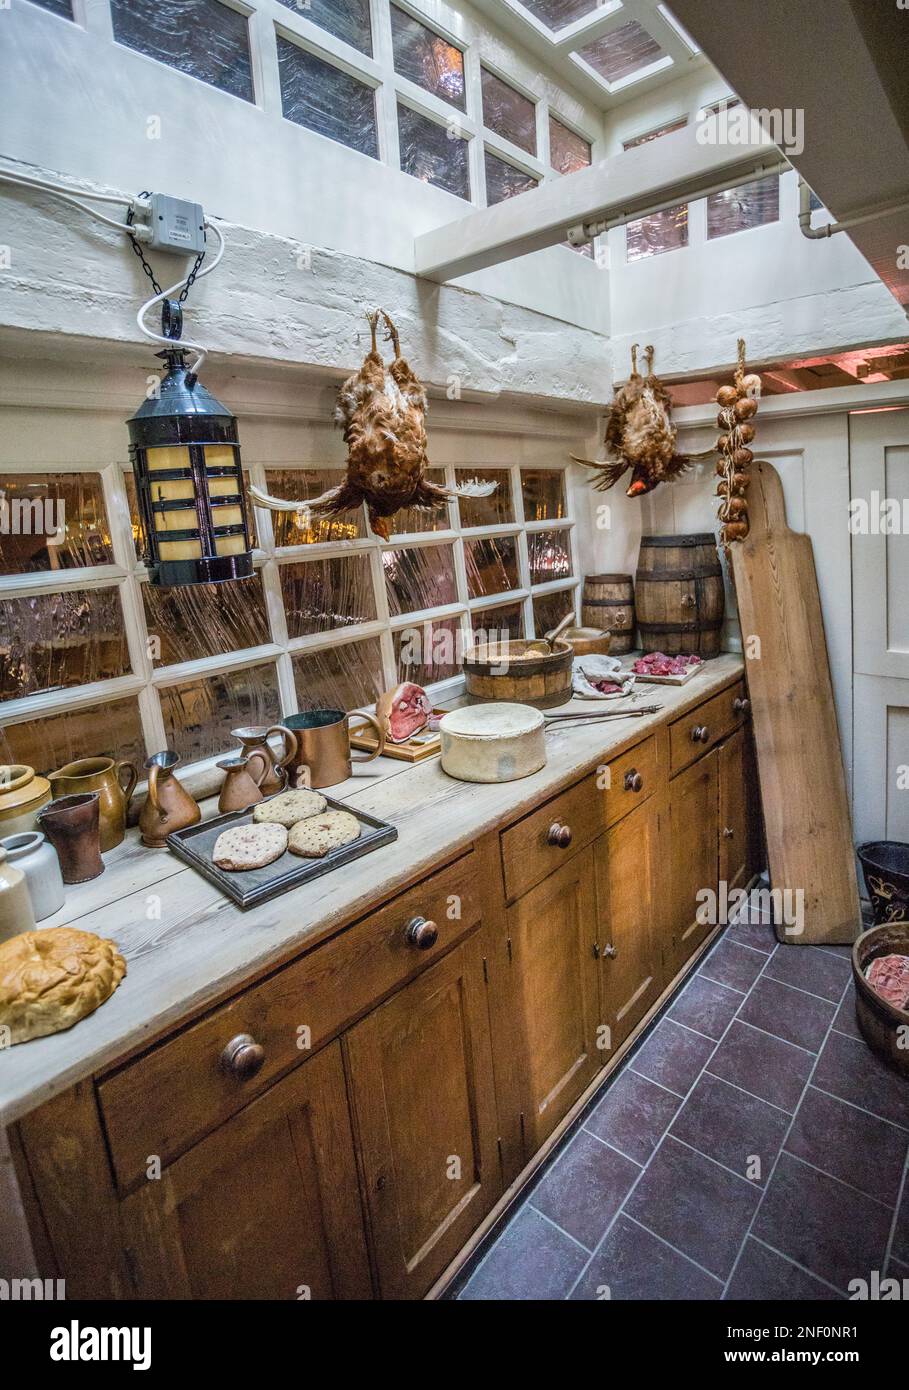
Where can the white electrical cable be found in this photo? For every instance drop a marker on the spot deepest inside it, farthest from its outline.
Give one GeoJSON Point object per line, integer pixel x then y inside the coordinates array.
{"type": "Point", "coordinates": [67, 198]}
{"type": "Point", "coordinates": [166, 294]}
{"type": "Point", "coordinates": [51, 185]}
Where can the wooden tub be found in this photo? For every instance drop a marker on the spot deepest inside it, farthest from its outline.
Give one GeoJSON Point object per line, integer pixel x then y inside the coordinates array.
{"type": "Point", "coordinates": [501, 671]}
{"type": "Point", "coordinates": [884, 1027]}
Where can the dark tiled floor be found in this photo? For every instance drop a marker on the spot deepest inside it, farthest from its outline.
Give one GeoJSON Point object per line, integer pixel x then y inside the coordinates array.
{"type": "Point", "coordinates": [752, 1147]}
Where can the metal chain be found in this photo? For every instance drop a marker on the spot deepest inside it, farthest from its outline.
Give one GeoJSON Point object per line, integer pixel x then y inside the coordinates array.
{"type": "Point", "coordinates": [137, 247]}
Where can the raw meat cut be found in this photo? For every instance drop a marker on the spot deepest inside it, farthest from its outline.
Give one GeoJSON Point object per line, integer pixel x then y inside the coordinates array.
{"type": "Point", "coordinates": [404, 711]}
{"type": "Point", "coordinates": [888, 976]}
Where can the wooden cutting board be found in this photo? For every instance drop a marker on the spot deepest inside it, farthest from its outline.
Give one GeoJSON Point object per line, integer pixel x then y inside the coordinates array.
{"type": "Point", "coordinates": [800, 763]}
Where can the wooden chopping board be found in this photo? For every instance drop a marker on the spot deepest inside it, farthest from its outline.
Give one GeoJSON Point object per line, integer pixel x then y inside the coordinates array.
{"type": "Point", "coordinates": [800, 764]}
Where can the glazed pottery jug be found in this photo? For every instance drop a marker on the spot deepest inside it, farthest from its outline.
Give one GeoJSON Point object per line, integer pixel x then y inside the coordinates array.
{"type": "Point", "coordinates": [22, 794]}
{"type": "Point", "coordinates": [323, 756]}
{"type": "Point", "coordinates": [30, 852]}
{"type": "Point", "coordinates": [15, 905]}
{"type": "Point", "coordinates": [254, 744]}
{"type": "Point", "coordinates": [168, 806]}
{"type": "Point", "coordinates": [73, 826]}
{"type": "Point", "coordinates": [104, 776]}
{"type": "Point", "coordinates": [242, 786]}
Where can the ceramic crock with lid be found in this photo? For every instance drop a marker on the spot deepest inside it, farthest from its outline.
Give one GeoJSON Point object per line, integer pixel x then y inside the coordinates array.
{"type": "Point", "coordinates": [22, 794]}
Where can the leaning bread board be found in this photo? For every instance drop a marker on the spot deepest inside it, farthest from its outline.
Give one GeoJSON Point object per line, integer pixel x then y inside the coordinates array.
{"type": "Point", "coordinates": [195, 844]}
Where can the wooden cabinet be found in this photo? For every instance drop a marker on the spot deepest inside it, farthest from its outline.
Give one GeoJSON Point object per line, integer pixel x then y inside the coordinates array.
{"type": "Point", "coordinates": [553, 935]}
{"type": "Point", "coordinates": [267, 1207]}
{"type": "Point", "coordinates": [693, 853]}
{"type": "Point", "coordinates": [631, 921]}
{"type": "Point", "coordinates": [422, 1088]}
{"type": "Point", "coordinates": [735, 792]}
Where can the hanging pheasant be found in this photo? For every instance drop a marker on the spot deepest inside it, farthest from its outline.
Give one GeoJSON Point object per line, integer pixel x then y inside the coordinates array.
{"type": "Point", "coordinates": [640, 435]}
{"type": "Point", "coordinates": [382, 408]}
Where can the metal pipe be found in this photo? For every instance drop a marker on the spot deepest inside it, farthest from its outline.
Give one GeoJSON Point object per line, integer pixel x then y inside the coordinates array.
{"type": "Point", "coordinates": [830, 228]}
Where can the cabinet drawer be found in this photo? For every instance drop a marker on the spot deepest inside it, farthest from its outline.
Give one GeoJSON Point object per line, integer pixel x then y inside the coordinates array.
{"type": "Point", "coordinates": [164, 1102]}
{"type": "Point", "coordinates": [542, 841]}
{"type": "Point", "coordinates": [632, 778]}
{"type": "Point", "coordinates": [706, 725]}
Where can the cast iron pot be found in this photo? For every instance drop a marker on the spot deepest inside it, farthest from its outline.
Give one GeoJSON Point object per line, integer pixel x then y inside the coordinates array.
{"type": "Point", "coordinates": [885, 864]}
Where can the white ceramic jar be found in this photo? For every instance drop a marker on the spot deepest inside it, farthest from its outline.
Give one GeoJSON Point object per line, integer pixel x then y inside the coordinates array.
{"type": "Point", "coordinates": [31, 853]}
{"type": "Point", "coordinates": [15, 904]}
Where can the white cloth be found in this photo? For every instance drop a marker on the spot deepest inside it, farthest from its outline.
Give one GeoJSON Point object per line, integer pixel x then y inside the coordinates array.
{"type": "Point", "coordinates": [586, 669]}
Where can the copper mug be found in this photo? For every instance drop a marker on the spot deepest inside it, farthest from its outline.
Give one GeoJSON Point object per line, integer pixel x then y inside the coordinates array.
{"type": "Point", "coordinates": [323, 757]}
{"type": "Point", "coordinates": [106, 777]}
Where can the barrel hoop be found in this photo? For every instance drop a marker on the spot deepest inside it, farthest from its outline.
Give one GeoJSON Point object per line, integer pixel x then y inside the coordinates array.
{"type": "Point", "coordinates": [708, 625]}
{"type": "Point", "coordinates": [610, 578]}
{"type": "Point", "coordinates": [709, 571]}
{"type": "Point", "coordinates": [606, 603]}
{"type": "Point", "coordinates": [671, 542]}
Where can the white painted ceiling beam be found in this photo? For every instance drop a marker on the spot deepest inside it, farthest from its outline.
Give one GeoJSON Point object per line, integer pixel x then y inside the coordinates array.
{"type": "Point", "coordinates": [674, 169]}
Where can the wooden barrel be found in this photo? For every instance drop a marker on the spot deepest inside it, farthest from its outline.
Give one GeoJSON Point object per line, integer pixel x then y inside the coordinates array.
{"type": "Point", "coordinates": [502, 671]}
{"type": "Point", "coordinates": [679, 595]}
{"type": "Point", "coordinates": [607, 602]}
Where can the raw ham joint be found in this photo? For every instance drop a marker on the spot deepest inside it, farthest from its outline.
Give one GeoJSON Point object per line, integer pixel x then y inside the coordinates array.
{"type": "Point", "coordinates": [888, 976]}
{"type": "Point", "coordinates": [404, 711]}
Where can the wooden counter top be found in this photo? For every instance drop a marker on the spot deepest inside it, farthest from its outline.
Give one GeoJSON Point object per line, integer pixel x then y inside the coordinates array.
{"type": "Point", "coordinates": [186, 945]}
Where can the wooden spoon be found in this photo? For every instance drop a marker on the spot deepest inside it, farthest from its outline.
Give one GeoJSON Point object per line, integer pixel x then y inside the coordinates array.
{"type": "Point", "coordinates": [546, 645]}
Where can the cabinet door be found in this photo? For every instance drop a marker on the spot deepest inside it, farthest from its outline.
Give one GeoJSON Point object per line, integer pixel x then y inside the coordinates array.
{"type": "Point", "coordinates": [693, 852]}
{"type": "Point", "coordinates": [422, 1086]}
{"type": "Point", "coordinates": [631, 925]}
{"type": "Point", "coordinates": [553, 934]}
{"type": "Point", "coordinates": [267, 1207]}
{"type": "Point", "coordinates": [734, 825]}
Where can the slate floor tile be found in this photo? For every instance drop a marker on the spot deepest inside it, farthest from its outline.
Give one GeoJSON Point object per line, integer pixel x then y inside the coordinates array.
{"type": "Point", "coordinates": [673, 1056]}
{"type": "Point", "coordinates": [849, 1069]}
{"type": "Point", "coordinates": [846, 1021]}
{"type": "Point", "coordinates": [695, 1205]}
{"type": "Point", "coordinates": [825, 1227]}
{"type": "Point", "coordinates": [812, 969]}
{"type": "Point", "coordinates": [735, 1128]}
{"type": "Point", "coordinates": [706, 1006]}
{"type": "Point", "coordinates": [759, 935]}
{"type": "Point", "coordinates": [632, 1264]}
{"type": "Point", "coordinates": [788, 1013]}
{"type": "Point", "coordinates": [531, 1260]}
{"type": "Point", "coordinates": [768, 1067]}
{"type": "Point", "coordinates": [849, 1144]}
{"type": "Point", "coordinates": [585, 1188]}
{"type": "Point", "coordinates": [734, 965]}
{"type": "Point", "coordinates": [633, 1115]}
{"type": "Point", "coordinates": [763, 1275]}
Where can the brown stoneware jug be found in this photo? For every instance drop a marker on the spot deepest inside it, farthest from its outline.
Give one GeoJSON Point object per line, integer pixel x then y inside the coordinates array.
{"type": "Point", "coordinates": [114, 782]}
{"type": "Point", "coordinates": [254, 745]}
{"type": "Point", "coordinates": [242, 785]}
{"type": "Point", "coordinates": [73, 826]}
{"type": "Point", "coordinates": [168, 806]}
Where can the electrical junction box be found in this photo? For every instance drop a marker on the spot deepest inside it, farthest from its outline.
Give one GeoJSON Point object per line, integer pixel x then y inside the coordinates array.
{"type": "Point", "coordinates": [175, 225]}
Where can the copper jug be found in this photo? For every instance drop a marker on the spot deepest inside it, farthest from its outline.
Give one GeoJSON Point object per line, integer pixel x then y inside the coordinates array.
{"type": "Point", "coordinates": [243, 779]}
{"type": "Point", "coordinates": [106, 777]}
{"type": "Point", "coordinates": [254, 745]}
{"type": "Point", "coordinates": [168, 806]}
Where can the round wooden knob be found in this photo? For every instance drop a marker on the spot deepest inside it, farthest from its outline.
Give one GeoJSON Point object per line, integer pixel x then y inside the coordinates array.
{"type": "Point", "coordinates": [741, 704]}
{"type": "Point", "coordinates": [700, 734]}
{"type": "Point", "coordinates": [422, 933]}
{"type": "Point", "coordinates": [242, 1057]}
{"type": "Point", "coordinates": [633, 781]}
{"type": "Point", "coordinates": [559, 835]}
{"type": "Point", "coordinates": [728, 832]}
{"type": "Point", "coordinates": [610, 952]}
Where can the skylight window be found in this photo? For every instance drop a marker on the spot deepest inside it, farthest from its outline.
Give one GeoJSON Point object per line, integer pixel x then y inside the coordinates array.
{"type": "Point", "coordinates": [683, 33]}
{"type": "Point", "coordinates": [555, 14]}
{"type": "Point", "coordinates": [622, 52]}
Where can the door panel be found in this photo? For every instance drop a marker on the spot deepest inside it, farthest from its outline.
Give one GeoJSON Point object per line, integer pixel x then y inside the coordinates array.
{"type": "Point", "coordinates": [693, 851]}
{"type": "Point", "coordinates": [421, 1080]}
{"type": "Point", "coordinates": [266, 1207]}
{"type": "Point", "coordinates": [631, 921]}
{"type": "Point", "coordinates": [734, 790]}
{"type": "Point", "coordinates": [553, 930]}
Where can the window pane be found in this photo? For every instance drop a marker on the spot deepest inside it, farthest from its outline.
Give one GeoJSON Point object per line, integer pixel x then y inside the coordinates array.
{"type": "Point", "coordinates": [509, 113]}
{"type": "Point", "coordinates": [339, 677]}
{"type": "Point", "coordinates": [492, 565]}
{"type": "Point", "coordinates": [412, 520]}
{"type": "Point", "coordinates": [320, 595]}
{"type": "Point", "coordinates": [196, 620]}
{"type": "Point", "coordinates": [420, 578]}
{"type": "Point", "coordinates": [60, 7]}
{"type": "Point", "coordinates": [568, 152]}
{"type": "Point", "coordinates": [544, 493]}
{"type": "Point", "coordinates": [622, 52]}
{"type": "Point", "coordinates": [54, 641]}
{"type": "Point", "coordinates": [346, 19]}
{"type": "Point", "coordinates": [51, 521]}
{"type": "Point", "coordinates": [109, 730]}
{"type": "Point", "coordinates": [549, 555]}
{"type": "Point", "coordinates": [655, 134]}
{"type": "Point", "coordinates": [203, 38]}
{"type": "Point", "coordinates": [550, 609]}
{"type": "Point", "coordinates": [661, 231]}
{"type": "Point", "coordinates": [307, 483]}
{"type": "Point", "coordinates": [557, 13]}
{"type": "Point", "coordinates": [200, 714]}
{"type": "Point", "coordinates": [486, 511]}
{"type": "Point", "coordinates": [427, 59]}
{"type": "Point", "coordinates": [431, 154]}
{"type": "Point", "coordinates": [325, 99]}
{"type": "Point", "coordinates": [497, 624]}
{"type": "Point", "coordinates": [503, 180]}
{"type": "Point", "coordinates": [738, 209]}
{"type": "Point", "coordinates": [429, 652]}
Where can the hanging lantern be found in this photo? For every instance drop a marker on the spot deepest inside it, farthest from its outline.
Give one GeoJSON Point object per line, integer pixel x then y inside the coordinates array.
{"type": "Point", "coordinates": [185, 453]}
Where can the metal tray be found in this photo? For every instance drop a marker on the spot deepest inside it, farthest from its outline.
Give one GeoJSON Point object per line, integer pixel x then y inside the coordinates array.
{"type": "Point", "coordinates": [194, 846]}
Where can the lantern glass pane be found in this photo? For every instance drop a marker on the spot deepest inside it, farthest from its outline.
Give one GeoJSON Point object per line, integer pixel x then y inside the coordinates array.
{"type": "Point", "coordinates": [56, 641]}
{"type": "Point", "coordinates": [494, 510]}
{"type": "Point", "coordinates": [306, 483]}
{"type": "Point", "coordinates": [110, 730]}
{"type": "Point", "coordinates": [199, 714]}
{"type": "Point", "coordinates": [492, 565]}
{"type": "Point", "coordinates": [432, 153]}
{"type": "Point", "coordinates": [130, 485]}
{"type": "Point", "coordinates": [427, 59]}
{"type": "Point", "coordinates": [544, 493]}
{"type": "Point", "coordinates": [508, 112]}
{"type": "Point", "coordinates": [321, 97]}
{"type": "Point", "coordinates": [202, 38]}
{"type": "Point", "coordinates": [189, 621]}
{"type": "Point", "coordinates": [549, 555]}
{"type": "Point", "coordinates": [419, 578]}
{"type": "Point", "coordinates": [428, 652]}
{"type": "Point", "coordinates": [339, 677]}
{"type": "Point", "coordinates": [346, 19]}
{"type": "Point", "coordinates": [52, 521]}
{"type": "Point", "coordinates": [323, 595]}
